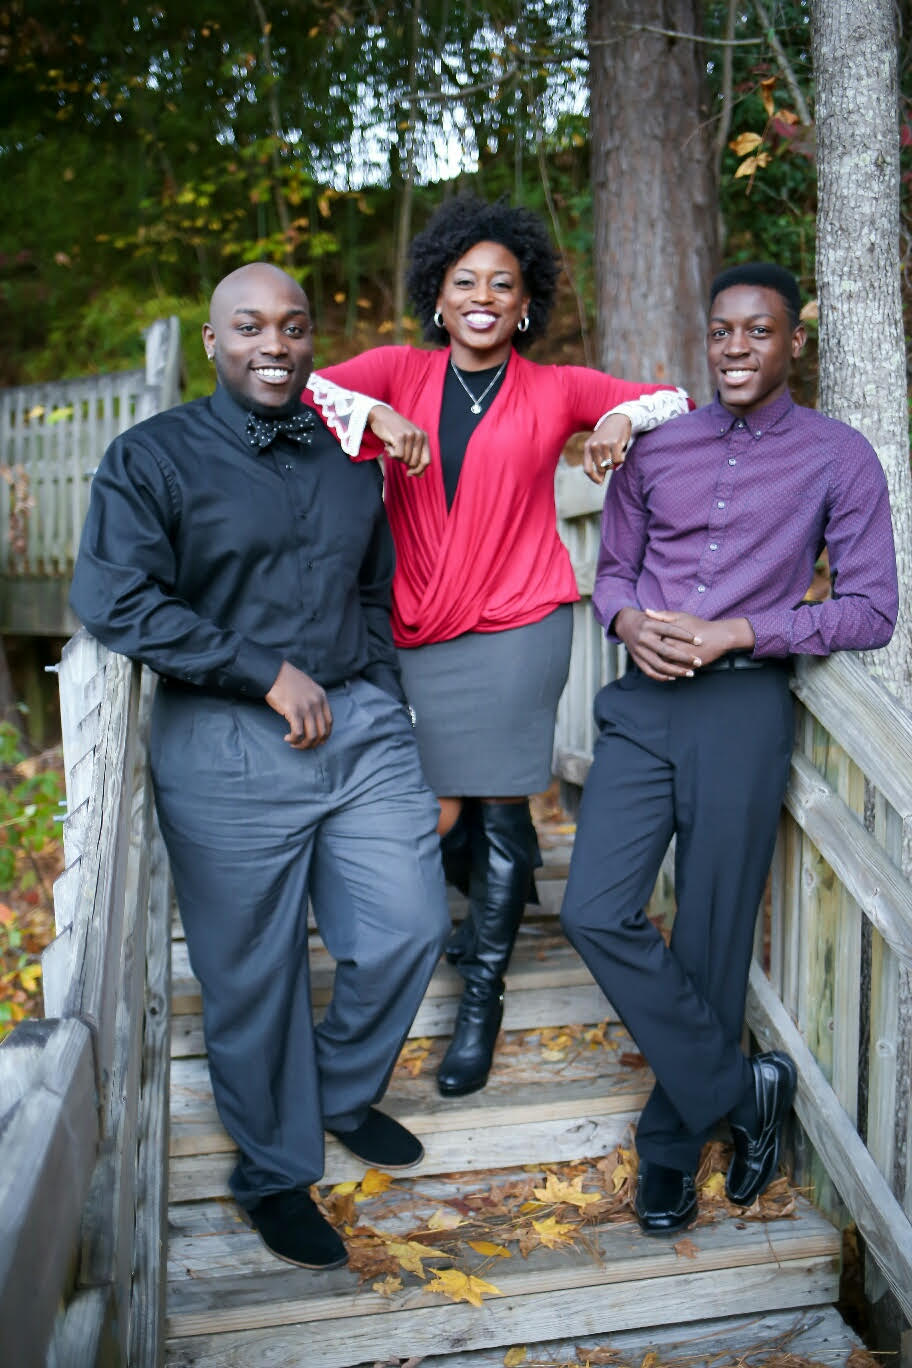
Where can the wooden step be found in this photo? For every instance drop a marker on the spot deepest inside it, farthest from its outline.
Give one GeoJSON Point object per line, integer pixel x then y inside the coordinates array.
{"type": "Point", "coordinates": [231, 1303]}
{"type": "Point", "coordinates": [547, 985]}
{"type": "Point", "coordinates": [551, 1097]}
{"type": "Point", "coordinates": [819, 1335]}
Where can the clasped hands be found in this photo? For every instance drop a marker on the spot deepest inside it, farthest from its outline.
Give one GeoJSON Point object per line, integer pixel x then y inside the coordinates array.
{"type": "Point", "coordinates": [668, 646]}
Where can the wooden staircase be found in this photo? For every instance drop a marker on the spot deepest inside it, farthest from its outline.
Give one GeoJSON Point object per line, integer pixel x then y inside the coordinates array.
{"type": "Point", "coordinates": [561, 1100]}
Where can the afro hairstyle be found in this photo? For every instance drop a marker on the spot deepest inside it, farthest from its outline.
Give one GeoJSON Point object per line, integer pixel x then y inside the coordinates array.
{"type": "Point", "coordinates": [454, 229]}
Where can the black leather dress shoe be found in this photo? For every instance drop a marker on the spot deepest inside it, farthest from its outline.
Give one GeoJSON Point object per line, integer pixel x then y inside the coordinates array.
{"type": "Point", "coordinates": [382, 1142]}
{"type": "Point", "coordinates": [756, 1153]}
{"type": "Point", "coordinates": [292, 1227]}
{"type": "Point", "coordinates": [666, 1199]}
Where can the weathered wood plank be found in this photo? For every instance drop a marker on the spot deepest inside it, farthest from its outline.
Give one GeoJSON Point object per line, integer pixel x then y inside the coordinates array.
{"type": "Point", "coordinates": [639, 1282]}
{"type": "Point", "coordinates": [147, 1303]}
{"type": "Point", "coordinates": [859, 862]}
{"type": "Point", "coordinates": [819, 1334]}
{"type": "Point", "coordinates": [864, 717]}
{"type": "Point", "coordinates": [880, 1219]}
{"type": "Point", "coordinates": [47, 1152]}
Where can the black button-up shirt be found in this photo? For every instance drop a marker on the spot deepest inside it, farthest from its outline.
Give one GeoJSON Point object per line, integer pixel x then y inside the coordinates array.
{"type": "Point", "coordinates": [213, 562]}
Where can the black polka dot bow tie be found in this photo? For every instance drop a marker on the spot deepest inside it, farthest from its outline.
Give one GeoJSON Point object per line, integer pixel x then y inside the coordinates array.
{"type": "Point", "coordinates": [262, 431]}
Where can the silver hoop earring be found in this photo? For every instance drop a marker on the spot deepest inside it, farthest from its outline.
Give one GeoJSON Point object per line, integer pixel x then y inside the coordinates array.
{"type": "Point", "coordinates": [523, 324]}
{"type": "Point", "coordinates": [438, 320]}
{"type": "Point", "coordinates": [209, 355]}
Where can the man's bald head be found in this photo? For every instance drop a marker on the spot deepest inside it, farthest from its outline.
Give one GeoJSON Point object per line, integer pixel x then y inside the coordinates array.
{"type": "Point", "coordinates": [259, 334]}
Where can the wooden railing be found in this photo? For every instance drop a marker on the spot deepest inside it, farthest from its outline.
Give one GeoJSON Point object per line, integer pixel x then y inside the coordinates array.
{"type": "Point", "coordinates": [52, 437]}
{"type": "Point", "coordinates": [831, 981]}
{"type": "Point", "coordinates": [84, 1093]}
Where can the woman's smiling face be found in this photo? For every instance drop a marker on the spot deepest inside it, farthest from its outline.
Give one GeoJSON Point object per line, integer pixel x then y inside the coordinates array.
{"type": "Point", "coordinates": [483, 299]}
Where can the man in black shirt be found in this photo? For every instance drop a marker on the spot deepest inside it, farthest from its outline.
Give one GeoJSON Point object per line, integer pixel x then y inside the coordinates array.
{"type": "Point", "coordinates": [232, 546]}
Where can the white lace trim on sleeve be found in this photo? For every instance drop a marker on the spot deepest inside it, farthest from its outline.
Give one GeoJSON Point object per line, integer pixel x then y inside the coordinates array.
{"type": "Point", "coordinates": [344, 411]}
{"type": "Point", "coordinates": [651, 410]}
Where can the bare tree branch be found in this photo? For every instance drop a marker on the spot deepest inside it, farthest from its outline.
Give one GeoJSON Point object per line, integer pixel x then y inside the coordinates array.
{"type": "Point", "coordinates": [784, 65]}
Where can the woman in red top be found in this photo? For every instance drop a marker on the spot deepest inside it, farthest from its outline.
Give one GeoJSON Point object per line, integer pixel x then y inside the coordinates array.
{"type": "Point", "coordinates": [483, 583]}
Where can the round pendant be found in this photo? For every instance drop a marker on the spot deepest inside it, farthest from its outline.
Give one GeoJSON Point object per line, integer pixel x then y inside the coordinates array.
{"type": "Point", "coordinates": [476, 408]}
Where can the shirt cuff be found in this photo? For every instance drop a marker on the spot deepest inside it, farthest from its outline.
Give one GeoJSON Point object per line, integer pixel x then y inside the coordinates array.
{"type": "Point", "coordinates": [772, 632]}
{"type": "Point", "coordinates": [344, 411]}
{"type": "Point", "coordinates": [651, 410]}
{"type": "Point", "coordinates": [254, 671]}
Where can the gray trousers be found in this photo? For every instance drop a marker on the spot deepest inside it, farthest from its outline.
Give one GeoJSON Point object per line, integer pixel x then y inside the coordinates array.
{"type": "Point", "coordinates": [707, 758]}
{"type": "Point", "coordinates": [253, 829]}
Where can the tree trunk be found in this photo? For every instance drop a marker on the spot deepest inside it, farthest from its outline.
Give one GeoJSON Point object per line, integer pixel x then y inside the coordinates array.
{"type": "Point", "coordinates": [863, 382]}
{"type": "Point", "coordinates": [654, 192]}
{"type": "Point", "coordinates": [862, 345]}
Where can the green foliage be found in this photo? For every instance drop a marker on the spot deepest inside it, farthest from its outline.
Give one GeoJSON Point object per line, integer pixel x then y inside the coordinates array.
{"type": "Point", "coordinates": [28, 805]}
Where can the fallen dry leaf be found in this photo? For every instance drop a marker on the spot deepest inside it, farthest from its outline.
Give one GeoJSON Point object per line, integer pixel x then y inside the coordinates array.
{"type": "Point", "coordinates": [343, 1189]}
{"type": "Point", "coordinates": [444, 1218]}
{"type": "Point", "coordinates": [409, 1255]}
{"type": "Point", "coordinates": [553, 1233]}
{"type": "Point", "coordinates": [490, 1250]}
{"type": "Point", "coordinates": [714, 1186]}
{"type": "Point", "coordinates": [514, 1357]}
{"type": "Point", "coordinates": [449, 1282]}
{"type": "Point", "coordinates": [686, 1248]}
{"type": "Point", "coordinates": [387, 1286]}
{"type": "Point", "coordinates": [373, 1183]}
{"type": "Point", "coordinates": [555, 1191]}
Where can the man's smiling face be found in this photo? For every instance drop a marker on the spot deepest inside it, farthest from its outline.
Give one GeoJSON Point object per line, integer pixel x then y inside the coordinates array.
{"type": "Point", "coordinates": [750, 344]}
{"type": "Point", "coordinates": [261, 336]}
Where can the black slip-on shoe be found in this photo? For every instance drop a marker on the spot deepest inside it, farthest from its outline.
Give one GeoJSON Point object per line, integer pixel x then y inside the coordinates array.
{"type": "Point", "coordinates": [756, 1155]}
{"type": "Point", "coordinates": [666, 1199]}
{"type": "Point", "coordinates": [292, 1227]}
{"type": "Point", "coordinates": [381, 1142]}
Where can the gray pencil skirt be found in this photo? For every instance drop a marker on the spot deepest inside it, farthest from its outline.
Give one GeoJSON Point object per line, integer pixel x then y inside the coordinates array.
{"type": "Point", "coordinates": [485, 704]}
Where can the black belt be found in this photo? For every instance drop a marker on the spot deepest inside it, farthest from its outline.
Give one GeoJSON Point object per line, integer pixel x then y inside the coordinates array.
{"type": "Point", "coordinates": [738, 660]}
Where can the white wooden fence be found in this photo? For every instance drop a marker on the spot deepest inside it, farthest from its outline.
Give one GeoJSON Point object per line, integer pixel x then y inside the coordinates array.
{"type": "Point", "coordinates": [52, 437]}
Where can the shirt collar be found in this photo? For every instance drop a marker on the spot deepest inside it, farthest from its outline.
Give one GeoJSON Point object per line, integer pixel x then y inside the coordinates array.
{"type": "Point", "coordinates": [235, 415]}
{"type": "Point", "coordinates": [759, 421]}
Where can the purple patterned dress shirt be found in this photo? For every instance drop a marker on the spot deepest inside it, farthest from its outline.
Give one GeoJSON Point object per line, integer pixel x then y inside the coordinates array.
{"type": "Point", "coordinates": [724, 516]}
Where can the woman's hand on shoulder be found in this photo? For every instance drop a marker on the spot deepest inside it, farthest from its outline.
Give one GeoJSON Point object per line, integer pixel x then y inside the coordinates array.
{"type": "Point", "coordinates": [607, 446]}
{"type": "Point", "coordinates": [403, 440]}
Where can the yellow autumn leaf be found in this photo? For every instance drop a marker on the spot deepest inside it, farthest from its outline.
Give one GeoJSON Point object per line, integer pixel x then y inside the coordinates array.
{"type": "Point", "coordinates": [36, 412]}
{"type": "Point", "coordinates": [514, 1357]}
{"type": "Point", "coordinates": [620, 1175]}
{"type": "Point", "coordinates": [556, 1190]}
{"type": "Point", "coordinates": [554, 1233]}
{"type": "Point", "coordinates": [766, 94]}
{"type": "Point", "coordinates": [714, 1185]}
{"type": "Point", "coordinates": [30, 977]}
{"type": "Point", "coordinates": [490, 1250]}
{"type": "Point", "coordinates": [343, 1189]}
{"type": "Point", "coordinates": [744, 143]}
{"type": "Point", "coordinates": [553, 1056]}
{"type": "Point", "coordinates": [746, 168]}
{"type": "Point", "coordinates": [651, 1360]}
{"type": "Point", "coordinates": [449, 1282]}
{"type": "Point", "coordinates": [373, 1183]}
{"type": "Point", "coordinates": [444, 1219]}
{"type": "Point", "coordinates": [388, 1286]}
{"type": "Point", "coordinates": [409, 1254]}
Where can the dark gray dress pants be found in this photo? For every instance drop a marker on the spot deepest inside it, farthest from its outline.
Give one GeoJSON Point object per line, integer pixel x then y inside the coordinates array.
{"type": "Point", "coordinates": [253, 829]}
{"type": "Point", "coordinates": [708, 759]}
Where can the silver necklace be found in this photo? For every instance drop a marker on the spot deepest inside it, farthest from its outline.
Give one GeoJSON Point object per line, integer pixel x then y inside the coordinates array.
{"type": "Point", "coordinates": [476, 403]}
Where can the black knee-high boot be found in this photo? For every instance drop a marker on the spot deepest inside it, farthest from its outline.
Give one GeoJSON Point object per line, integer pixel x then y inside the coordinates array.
{"type": "Point", "coordinates": [507, 851]}
{"type": "Point", "coordinates": [456, 853]}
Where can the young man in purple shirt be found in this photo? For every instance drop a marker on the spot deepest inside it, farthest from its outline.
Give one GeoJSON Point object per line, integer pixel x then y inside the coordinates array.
{"type": "Point", "coordinates": [709, 536]}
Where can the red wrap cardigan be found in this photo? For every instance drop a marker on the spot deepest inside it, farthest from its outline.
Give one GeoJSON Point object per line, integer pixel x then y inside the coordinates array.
{"type": "Point", "coordinates": [494, 560]}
